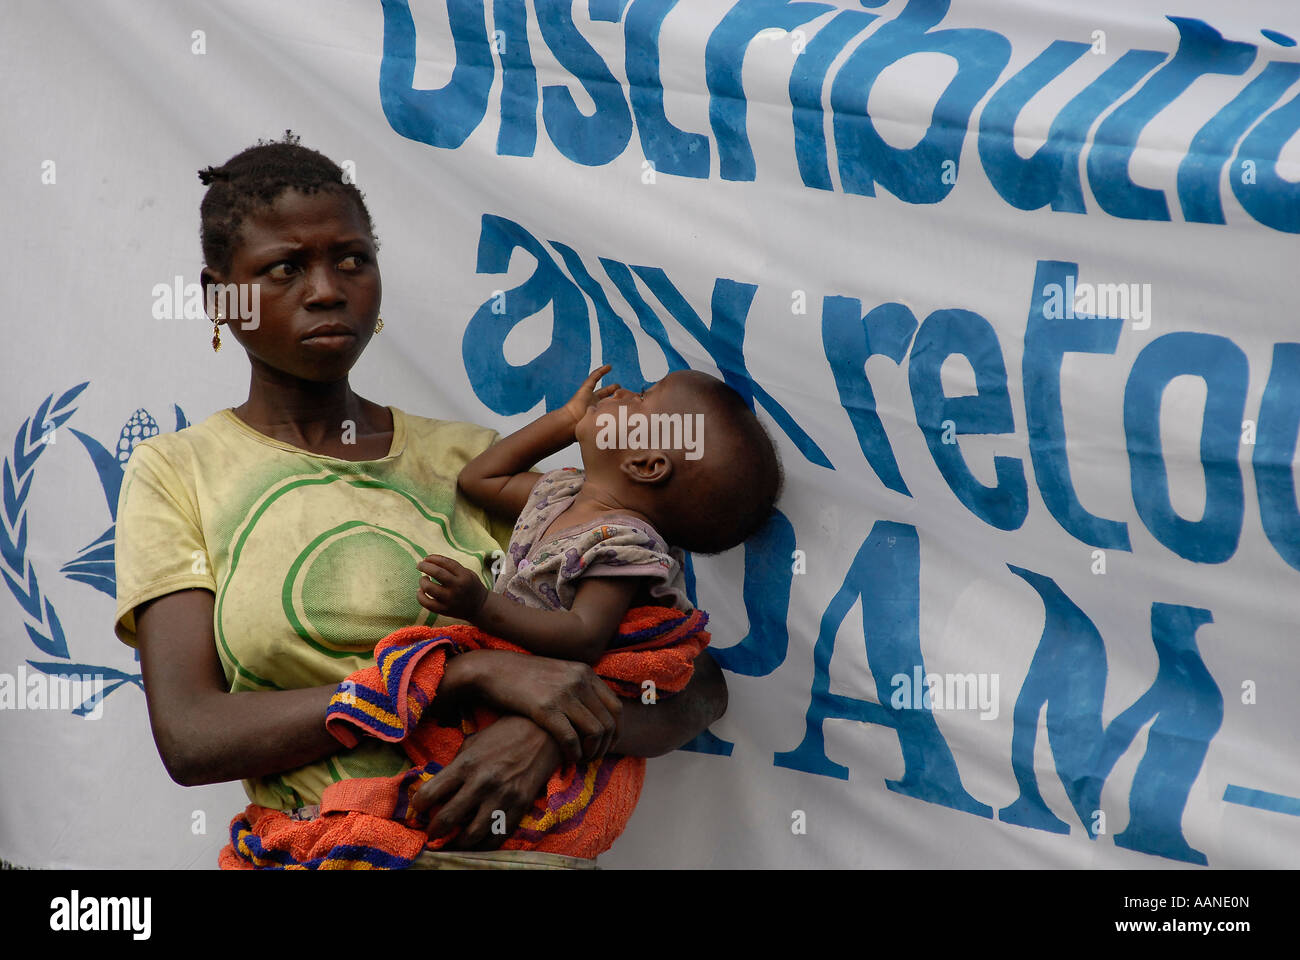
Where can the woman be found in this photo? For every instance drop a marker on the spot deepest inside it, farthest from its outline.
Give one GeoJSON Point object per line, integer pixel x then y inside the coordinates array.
{"type": "Point", "coordinates": [262, 552]}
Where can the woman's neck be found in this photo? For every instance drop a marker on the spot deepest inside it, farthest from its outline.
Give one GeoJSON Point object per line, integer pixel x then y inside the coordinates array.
{"type": "Point", "coordinates": [313, 416]}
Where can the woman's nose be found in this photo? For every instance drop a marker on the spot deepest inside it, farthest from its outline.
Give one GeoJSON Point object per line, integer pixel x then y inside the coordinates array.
{"type": "Point", "coordinates": [323, 288]}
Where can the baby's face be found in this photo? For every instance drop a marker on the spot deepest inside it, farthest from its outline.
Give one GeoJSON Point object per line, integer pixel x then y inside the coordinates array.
{"type": "Point", "coordinates": [669, 416]}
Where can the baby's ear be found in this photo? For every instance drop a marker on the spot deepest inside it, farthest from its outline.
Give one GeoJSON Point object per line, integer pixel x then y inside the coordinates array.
{"type": "Point", "coordinates": [649, 466]}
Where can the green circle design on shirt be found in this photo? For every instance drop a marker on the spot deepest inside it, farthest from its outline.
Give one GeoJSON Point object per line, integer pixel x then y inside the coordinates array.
{"type": "Point", "coordinates": [356, 556]}
{"type": "Point", "coordinates": [351, 585]}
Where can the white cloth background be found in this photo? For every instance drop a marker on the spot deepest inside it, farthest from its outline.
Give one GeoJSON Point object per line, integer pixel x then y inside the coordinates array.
{"type": "Point", "coordinates": [114, 95]}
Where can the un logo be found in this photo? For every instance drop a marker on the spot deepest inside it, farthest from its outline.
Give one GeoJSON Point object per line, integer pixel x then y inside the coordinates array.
{"type": "Point", "coordinates": [92, 566]}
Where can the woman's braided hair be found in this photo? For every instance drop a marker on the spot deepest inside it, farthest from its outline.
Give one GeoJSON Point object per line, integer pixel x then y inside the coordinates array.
{"type": "Point", "coordinates": [255, 178]}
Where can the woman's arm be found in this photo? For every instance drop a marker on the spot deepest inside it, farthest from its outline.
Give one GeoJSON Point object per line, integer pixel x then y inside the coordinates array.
{"type": "Point", "coordinates": [575, 706]}
{"type": "Point", "coordinates": [506, 766]}
{"type": "Point", "coordinates": [207, 735]}
{"type": "Point", "coordinates": [653, 729]}
{"type": "Point", "coordinates": [204, 733]}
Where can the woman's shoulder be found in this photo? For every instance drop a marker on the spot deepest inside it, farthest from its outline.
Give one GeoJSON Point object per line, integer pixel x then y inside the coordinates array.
{"type": "Point", "coordinates": [417, 422]}
{"type": "Point", "coordinates": [181, 447]}
{"type": "Point", "coordinates": [454, 438]}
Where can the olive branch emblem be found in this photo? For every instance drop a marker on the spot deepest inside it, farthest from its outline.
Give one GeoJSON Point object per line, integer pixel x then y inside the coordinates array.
{"type": "Point", "coordinates": [93, 564]}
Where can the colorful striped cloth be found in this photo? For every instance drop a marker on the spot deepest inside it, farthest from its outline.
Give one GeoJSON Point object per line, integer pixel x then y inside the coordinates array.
{"type": "Point", "coordinates": [367, 823]}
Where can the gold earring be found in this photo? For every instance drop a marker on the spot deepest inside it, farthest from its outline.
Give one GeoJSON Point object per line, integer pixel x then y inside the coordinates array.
{"type": "Point", "coordinates": [379, 325]}
{"type": "Point", "coordinates": [216, 333]}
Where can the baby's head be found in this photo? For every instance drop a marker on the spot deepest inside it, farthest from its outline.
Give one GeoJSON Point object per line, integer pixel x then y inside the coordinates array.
{"type": "Point", "coordinates": [689, 454]}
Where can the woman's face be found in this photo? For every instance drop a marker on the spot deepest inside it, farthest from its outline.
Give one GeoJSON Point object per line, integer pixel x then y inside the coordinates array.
{"type": "Point", "coordinates": [315, 265]}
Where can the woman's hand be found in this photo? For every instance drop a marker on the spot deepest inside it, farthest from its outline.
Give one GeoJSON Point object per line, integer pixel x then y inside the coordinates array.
{"type": "Point", "coordinates": [564, 698]}
{"type": "Point", "coordinates": [504, 768]}
{"type": "Point", "coordinates": [588, 394]}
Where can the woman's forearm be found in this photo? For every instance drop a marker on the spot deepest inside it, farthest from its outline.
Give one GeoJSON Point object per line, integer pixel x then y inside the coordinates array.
{"type": "Point", "coordinates": [204, 733]}
{"type": "Point", "coordinates": [223, 736]}
{"type": "Point", "coordinates": [539, 687]}
{"type": "Point", "coordinates": [653, 729]}
{"type": "Point", "coordinates": [234, 736]}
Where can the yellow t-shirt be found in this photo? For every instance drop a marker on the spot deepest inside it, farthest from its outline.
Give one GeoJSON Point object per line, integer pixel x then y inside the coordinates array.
{"type": "Point", "coordinates": [311, 559]}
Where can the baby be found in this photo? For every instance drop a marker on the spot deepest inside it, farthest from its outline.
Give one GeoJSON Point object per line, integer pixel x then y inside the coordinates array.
{"type": "Point", "coordinates": [684, 464]}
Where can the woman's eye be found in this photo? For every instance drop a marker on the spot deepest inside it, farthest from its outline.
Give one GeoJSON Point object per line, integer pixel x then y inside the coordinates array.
{"type": "Point", "coordinates": [280, 271]}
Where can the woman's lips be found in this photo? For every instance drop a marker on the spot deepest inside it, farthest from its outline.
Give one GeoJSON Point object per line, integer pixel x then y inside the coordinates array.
{"type": "Point", "coordinates": [331, 335]}
{"type": "Point", "coordinates": [332, 339]}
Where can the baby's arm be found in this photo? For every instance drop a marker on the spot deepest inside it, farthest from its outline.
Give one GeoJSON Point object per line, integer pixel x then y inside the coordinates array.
{"type": "Point", "coordinates": [581, 633]}
{"type": "Point", "coordinates": [499, 479]}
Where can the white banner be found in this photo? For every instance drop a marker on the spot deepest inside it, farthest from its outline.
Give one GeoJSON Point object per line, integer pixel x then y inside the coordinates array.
{"type": "Point", "coordinates": [1010, 285]}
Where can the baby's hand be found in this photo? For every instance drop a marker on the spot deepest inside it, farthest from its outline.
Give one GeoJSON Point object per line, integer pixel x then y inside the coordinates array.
{"type": "Point", "coordinates": [449, 588]}
{"type": "Point", "coordinates": [588, 394]}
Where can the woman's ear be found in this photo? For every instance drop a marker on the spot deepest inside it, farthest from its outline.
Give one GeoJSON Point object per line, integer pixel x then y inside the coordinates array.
{"type": "Point", "coordinates": [210, 279]}
{"type": "Point", "coordinates": [650, 466]}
